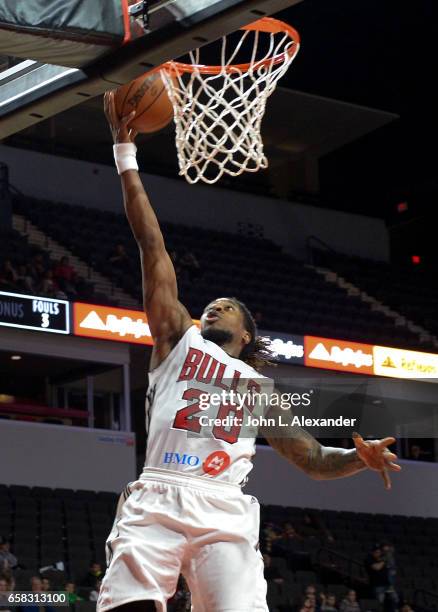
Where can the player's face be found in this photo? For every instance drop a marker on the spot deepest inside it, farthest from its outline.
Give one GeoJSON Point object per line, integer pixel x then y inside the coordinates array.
{"type": "Point", "coordinates": [223, 314]}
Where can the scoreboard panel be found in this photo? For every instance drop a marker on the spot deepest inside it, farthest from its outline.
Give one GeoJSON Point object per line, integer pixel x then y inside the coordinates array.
{"type": "Point", "coordinates": [34, 312]}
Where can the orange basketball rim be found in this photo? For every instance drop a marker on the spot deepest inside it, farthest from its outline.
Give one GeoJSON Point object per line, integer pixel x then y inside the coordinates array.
{"type": "Point", "coordinates": [268, 25]}
{"type": "Point", "coordinates": [218, 108]}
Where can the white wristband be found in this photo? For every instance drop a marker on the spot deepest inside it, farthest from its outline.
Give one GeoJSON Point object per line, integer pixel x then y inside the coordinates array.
{"type": "Point", "coordinates": [125, 156]}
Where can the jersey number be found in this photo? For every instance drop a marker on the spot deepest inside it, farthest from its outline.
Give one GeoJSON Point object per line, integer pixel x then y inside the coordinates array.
{"type": "Point", "coordinates": [186, 419]}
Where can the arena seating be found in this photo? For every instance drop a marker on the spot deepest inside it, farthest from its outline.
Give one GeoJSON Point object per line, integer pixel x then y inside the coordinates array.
{"type": "Point", "coordinates": [51, 525]}
{"type": "Point", "coordinates": [354, 536]}
{"type": "Point", "coordinates": [289, 295]}
{"type": "Point", "coordinates": [15, 248]}
{"type": "Point", "coordinates": [411, 291]}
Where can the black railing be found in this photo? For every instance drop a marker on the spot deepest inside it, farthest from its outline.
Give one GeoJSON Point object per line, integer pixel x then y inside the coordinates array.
{"type": "Point", "coordinates": [427, 600]}
{"type": "Point", "coordinates": [344, 564]}
{"type": "Point", "coordinates": [313, 242]}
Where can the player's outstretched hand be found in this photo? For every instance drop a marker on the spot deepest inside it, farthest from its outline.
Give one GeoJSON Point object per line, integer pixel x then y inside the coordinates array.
{"type": "Point", "coordinates": [120, 129]}
{"type": "Point", "coordinates": [376, 456]}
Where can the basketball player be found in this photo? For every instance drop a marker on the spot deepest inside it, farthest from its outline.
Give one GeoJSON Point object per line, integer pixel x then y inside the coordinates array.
{"type": "Point", "coordinates": [186, 513]}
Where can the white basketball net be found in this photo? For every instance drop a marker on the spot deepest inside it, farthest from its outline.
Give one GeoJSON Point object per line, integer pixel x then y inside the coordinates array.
{"type": "Point", "coordinates": [218, 116]}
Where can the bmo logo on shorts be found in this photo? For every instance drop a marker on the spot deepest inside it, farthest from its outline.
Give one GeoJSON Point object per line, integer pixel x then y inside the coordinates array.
{"type": "Point", "coordinates": [216, 463]}
{"type": "Point", "coordinates": [181, 459]}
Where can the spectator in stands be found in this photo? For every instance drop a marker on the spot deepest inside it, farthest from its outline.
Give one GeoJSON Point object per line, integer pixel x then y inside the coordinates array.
{"type": "Point", "coordinates": [349, 603]}
{"type": "Point", "coordinates": [310, 591]}
{"type": "Point", "coordinates": [36, 584]}
{"type": "Point", "coordinates": [94, 573]}
{"type": "Point", "coordinates": [94, 594]}
{"type": "Point", "coordinates": [119, 257]}
{"type": "Point", "coordinates": [290, 533]}
{"type": "Point", "coordinates": [308, 605]}
{"type": "Point", "coordinates": [70, 589]}
{"type": "Point", "coordinates": [61, 295]}
{"type": "Point", "coordinates": [25, 280]}
{"type": "Point", "coordinates": [290, 546]}
{"type": "Point", "coordinates": [375, 566]}
{"type": "Point", "coordinates": [9, 577]}
{"type": "Point", "coordinates": [37, 587]}
{"type": "Point", "coordinates": [4, 587]}
{"type": "Point", "coordinates": [65, 275]}
{"type": "Point", "coordinates": [416, 453]}
{"type": "Point", "coordinates": [45, 584]}
{"type": "Point", "coordinates": [406, 608]}
{"type": "Point", "coordinates": [328, 603]}
{"type": "Point", "coordinates": [308, 600]}
{"type": "Point", "coordinates": [313, 526]}
{"type": "Point", "coordinates": [311, 596]}
{"type": "Point", "coordinates": [48, 286]}
{"type": "Point", "coordinates": [37, 267]}
{"type": "Point", "coordinates": [8, 276]}
{"type": "Point", "coordinates": [388, 556]}
{"type": "Point", "coordinates": [271, 573]}
{"type": "Point", "coordinates": [271, 533]}
{"type": "Point", "coordinates": [8, 561]}
{"type": "Point", "coordinates": [289, 539]}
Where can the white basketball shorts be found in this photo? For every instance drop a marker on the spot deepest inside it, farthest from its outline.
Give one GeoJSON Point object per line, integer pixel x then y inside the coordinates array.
{"type": "Point", "coordinates": [171, 524]}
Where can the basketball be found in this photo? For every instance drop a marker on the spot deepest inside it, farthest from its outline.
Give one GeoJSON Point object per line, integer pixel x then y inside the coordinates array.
{"type": "Point", "coordinates": [148, 96]}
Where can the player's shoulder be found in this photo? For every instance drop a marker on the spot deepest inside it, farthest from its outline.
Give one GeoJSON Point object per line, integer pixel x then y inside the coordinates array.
{"type": "Point", "coordinates": [247, 370]}
{"type": "Point", "coordinates": [191, 333]}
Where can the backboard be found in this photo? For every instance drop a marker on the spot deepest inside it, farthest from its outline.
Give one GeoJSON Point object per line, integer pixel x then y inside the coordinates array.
{"type": "Point", "coordinates": [31, 91]}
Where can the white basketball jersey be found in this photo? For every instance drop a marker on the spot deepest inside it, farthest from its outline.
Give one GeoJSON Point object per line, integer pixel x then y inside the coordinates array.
{"type": "Point", "coordinates": [186, 436]}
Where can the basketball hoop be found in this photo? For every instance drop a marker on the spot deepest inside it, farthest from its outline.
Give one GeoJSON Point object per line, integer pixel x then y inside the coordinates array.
{"type": "Point", "coordinates": [218, 109]}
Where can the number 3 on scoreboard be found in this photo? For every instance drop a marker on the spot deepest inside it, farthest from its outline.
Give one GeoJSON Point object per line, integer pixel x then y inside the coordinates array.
{"type": "Point", "coordinates": [45, 320]}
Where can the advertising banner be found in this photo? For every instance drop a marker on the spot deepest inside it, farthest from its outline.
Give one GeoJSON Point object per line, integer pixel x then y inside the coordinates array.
{"type": "Point", "coordinates": [109, 323]}
{"type": "Point", "coordinates": [402, 363]}
{"type": "Point", "coordinates": [287, 348]}
{"type": "Point", "coordinates": [341, 355]}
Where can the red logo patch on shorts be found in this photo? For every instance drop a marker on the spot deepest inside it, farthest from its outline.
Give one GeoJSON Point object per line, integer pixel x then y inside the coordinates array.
{"type": "Point", "coordinates": [216, 463]}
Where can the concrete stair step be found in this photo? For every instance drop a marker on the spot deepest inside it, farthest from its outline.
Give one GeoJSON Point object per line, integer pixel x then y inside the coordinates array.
{"type": "Point", "coordinates": [375, 305]}
{"type": "Point", "coordinates": [101, 284]}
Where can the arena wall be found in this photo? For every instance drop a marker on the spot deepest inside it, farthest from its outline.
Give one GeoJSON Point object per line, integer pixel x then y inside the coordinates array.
{"type": "Point", "coordinates": [44, 455]}
{"type": "Point", "coordinates": [413, 493]}
{"type": "Point", "coordinates": [36, 454]}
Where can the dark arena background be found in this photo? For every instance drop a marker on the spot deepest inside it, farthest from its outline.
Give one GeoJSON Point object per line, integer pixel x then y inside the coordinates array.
{"type": "Point", "coordinates": [332, 248]}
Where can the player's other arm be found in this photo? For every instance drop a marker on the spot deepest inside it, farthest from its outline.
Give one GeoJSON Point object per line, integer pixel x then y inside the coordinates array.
{"type": "Point", "coordinates": [317, 461]}
{"type": "Point", "coordinates": [325, 462]}
{"type": "Point", "coordinates": [168, 319]}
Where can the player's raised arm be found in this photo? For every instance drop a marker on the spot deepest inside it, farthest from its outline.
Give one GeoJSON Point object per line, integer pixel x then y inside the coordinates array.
{"type": "Point", "coordinates": [167, 317]}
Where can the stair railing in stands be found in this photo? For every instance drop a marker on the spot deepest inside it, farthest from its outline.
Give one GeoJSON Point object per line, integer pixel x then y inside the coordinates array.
{"type": "Point", "coordinates": [313, 241]}
{"type": "Point", "coordinates": [19, 193]}
{"type": "Point", "coordinates": [345, 565]}
{"type": "Point", "coordinates": [426, 599]}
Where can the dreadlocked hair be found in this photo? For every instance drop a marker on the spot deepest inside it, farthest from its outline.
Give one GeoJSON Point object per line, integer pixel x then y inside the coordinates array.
{"type": "Point", "coordinates": [257, 353]}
